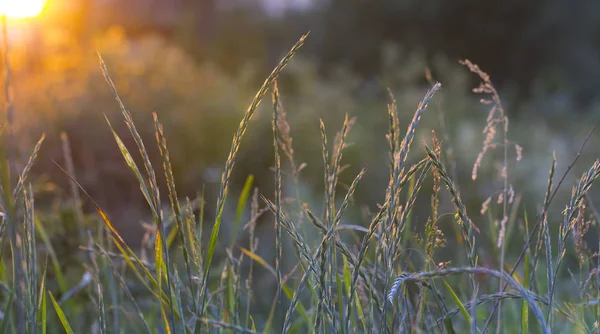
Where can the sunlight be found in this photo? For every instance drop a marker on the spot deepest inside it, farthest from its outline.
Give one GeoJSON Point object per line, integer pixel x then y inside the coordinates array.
{"type": "Point", "coordinates": [21, 9]}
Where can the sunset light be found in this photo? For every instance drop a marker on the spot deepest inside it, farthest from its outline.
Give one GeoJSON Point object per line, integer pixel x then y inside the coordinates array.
{"type": "Point", "coordinates": [21, 9]}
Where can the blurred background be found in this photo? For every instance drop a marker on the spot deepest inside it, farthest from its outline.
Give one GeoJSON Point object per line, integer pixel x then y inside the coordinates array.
{"type": "Point", "coordinates": [198, 63]}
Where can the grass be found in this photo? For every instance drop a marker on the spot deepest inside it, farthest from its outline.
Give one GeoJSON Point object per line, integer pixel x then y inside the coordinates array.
{"type": "Point", "coordinates": [381, 278]}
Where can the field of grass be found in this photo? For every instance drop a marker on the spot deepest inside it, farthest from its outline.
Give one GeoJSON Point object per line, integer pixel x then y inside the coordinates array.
{"type": "Point", "coordinates": [510, 272]}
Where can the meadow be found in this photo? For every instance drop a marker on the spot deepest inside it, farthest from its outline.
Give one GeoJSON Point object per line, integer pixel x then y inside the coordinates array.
{"type": "Point", "coordinates": [308, 250]}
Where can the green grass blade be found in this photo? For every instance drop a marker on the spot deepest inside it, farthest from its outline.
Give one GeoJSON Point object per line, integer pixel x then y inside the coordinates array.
{"type": "Point", "coordinates": [43, 312]}
{"type": "Point", "coordinates": [253, 325]}
{"type": "Point", "coordinates": [359, 309]}
{"type": "Point", "coordinates": [61, 315]}
{"type": "Point", "coordinates": [132, 165]}
{"type": "Point", "coordinates": [460, 305]}
{"type": "Point", "coordinates": [160, 270]}
{"type": "Point", "coordinates": [60, 279]}
{"type": "Point", "coordinates": [272, 311]}
{"type": "Point", "coordinates": [525, 307]}
{"type": "Point", "coordinates": [244, 195]}
{"type": "Point", "coordinates": [230, 293]}
{"type": "Point", "coordinates": [173, 233]}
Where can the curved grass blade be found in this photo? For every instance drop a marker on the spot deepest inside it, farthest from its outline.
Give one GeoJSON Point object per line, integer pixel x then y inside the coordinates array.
{"type": "Point", "coordinates": [132, 165]}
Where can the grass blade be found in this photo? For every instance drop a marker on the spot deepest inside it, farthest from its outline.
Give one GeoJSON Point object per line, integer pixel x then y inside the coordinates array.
{"type": "Point", "coordinates": [525, 307]}
{"type": "Point", "coordinates": [61, 315]}
{"type": "Point", "coordinates": [459, 304]}
{"type": "Point", "coordinates": [41, 231]}
{"type": "Point", "coordinates": [244, 195]}
{"type": "Point", "coordinates": [43, 312]}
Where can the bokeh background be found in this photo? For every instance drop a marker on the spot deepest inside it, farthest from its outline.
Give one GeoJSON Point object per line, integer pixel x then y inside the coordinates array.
{"type": "Point", "coordinates": [198, 63]}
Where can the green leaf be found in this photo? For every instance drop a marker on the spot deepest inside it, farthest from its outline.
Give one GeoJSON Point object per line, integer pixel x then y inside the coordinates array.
{"type": "Point", "coordinates": [44, 312]}
{"type": "Point", "coordinates": [460, 305]}
{"type": "Point", "coordinates": [525, 307]}
{"type": "Point", "coordinates": [62, 284]}
{"type": "Point", "coordinates": [41, 316]}
{"type": "Point", "coordinates": [245, 194]}
{"type": "Point", "coordinates": [61, 315]}
{"type": "Point", "coordinates": [132, 165]}
{"type": "Point", "coordinates": [347, 282]}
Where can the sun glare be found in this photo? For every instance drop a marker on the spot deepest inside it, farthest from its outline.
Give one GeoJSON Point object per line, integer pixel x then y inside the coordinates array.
{"type": "Point", "coordinates": [21, 9]}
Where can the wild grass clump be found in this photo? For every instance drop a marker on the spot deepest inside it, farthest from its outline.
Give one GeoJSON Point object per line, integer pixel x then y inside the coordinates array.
{"type": "Point", "coordinates": [386, 277]}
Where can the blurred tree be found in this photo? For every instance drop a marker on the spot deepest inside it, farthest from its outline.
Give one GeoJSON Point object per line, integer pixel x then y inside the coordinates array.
{"type": "Point", "coordinates": [197, 22]}
{"type": "Point", "coordinates": [517, 42]}
{"type": "Point", "coordinates": [497, 35]}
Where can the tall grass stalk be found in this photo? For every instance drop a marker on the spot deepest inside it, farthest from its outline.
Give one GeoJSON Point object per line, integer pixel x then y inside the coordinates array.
{"type": "Point", "coordinates": [230, 163]}
{"type": "Point", "coordinates": [276, 144]}
{"type": "Point", "coordinates": [399, 153]}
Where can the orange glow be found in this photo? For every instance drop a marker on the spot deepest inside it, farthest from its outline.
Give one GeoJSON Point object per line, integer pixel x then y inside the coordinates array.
{"type": "Point", "coordinates": [21, 9]}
